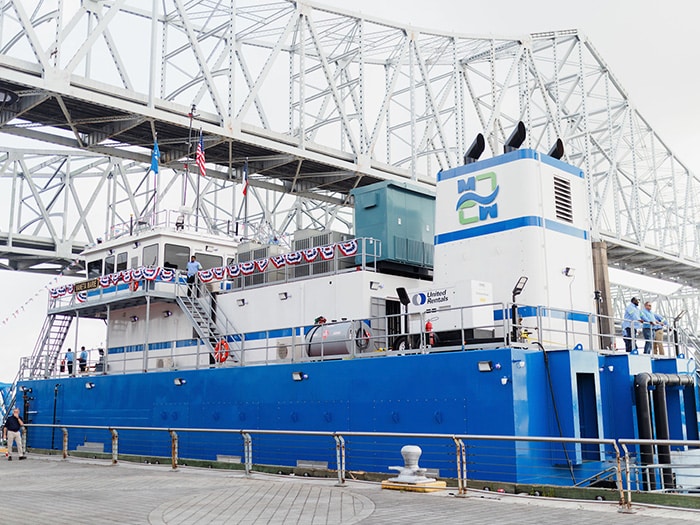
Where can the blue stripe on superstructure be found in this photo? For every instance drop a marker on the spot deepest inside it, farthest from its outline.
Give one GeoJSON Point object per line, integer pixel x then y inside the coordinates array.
{"type": "Point", "coordinates": [506, 158]}
{"type": "Point", "coordinates": [486, 164]}
{"type": "Point", "coordinates": [510, 224]}
{"type": "Point", "coordinates": [565, 229]}
{"type": "Point", "coordinates": [533, 311]}
{"type": "Point", "coordinates": [487, 229]}
{"type": "Point", "coordinates": [561, 165]}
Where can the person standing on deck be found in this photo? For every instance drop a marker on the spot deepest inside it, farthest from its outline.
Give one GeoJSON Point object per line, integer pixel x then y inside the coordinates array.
{"type": "Point", "coordinates": [630, 324]}
{"type": "Point", "coordinates": [12, 433]}
{"type": "Point", "coordinates": [192, 268]}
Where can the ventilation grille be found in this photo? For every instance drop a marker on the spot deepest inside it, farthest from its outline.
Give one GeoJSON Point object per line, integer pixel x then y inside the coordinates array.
{"type": "Point", "coordinates": [562, 200]}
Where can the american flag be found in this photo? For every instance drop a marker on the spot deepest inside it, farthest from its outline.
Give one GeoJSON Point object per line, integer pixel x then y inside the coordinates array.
{"type": "Point", "coordinates": [199, 158]}
{"type": "Point", "coordinates": [245, 178]}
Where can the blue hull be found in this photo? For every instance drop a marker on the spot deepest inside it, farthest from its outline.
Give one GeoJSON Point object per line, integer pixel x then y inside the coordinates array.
{"type": "Point", "coordinates": [521, 393]}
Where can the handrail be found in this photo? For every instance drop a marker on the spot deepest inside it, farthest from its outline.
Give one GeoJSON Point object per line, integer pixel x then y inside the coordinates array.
{"type": "Point", "coordinates": [339, 439]}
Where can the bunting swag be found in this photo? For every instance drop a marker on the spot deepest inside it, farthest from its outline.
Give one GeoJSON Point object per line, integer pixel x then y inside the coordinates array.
{"type": "Point", "coordinates": [326, 253]}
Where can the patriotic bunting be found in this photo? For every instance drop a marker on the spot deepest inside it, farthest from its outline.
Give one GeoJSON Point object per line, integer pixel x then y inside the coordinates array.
{"type": "Point", "coordinates": [232, 271]}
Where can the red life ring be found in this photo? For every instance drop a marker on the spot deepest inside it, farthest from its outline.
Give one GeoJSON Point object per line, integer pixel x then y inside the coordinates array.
{"type": "Point", "coordinates": [221, 351]}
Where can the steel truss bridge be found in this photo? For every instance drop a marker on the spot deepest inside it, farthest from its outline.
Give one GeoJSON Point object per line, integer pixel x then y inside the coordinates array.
{"type": "Point", "coordinates": [310, 102]}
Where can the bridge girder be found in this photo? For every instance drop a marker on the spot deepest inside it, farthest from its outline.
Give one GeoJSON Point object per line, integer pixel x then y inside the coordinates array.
{"type": "Point", "coordinates": [314, 102]}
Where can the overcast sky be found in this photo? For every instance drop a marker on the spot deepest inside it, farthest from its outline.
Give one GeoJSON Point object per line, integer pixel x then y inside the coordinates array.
{"type": "Point", "coordinates": [650, 47]}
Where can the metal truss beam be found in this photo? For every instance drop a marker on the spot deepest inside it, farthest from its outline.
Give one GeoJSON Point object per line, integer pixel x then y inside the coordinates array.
{"type": "Point", "coordinates": [315, 102]}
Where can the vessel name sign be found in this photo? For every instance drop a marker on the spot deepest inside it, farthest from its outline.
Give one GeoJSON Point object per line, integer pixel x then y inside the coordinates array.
{"type": "Point", "coordinates": [86, 285]}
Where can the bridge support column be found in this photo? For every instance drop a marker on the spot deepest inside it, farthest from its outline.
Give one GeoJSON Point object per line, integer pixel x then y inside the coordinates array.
{"type": "Point", "coordinates": [601, 280]}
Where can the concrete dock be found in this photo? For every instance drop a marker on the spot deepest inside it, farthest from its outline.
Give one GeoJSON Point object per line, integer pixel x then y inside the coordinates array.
{"type": "Point", "coordinates": [76, 491]}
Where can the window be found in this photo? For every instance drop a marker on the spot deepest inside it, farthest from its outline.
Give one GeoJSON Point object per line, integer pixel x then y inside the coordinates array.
{"type": "Point", "coordinates": [122, 259]}
{"type": "Point", "coordinates": [209, 261]}
{"type": "Point", "coordinates": [176, 256]}
{"type": "Point", "coordinates": [94, 268]}
{"type": "Point", "coordinates": [109, 264]}
{"type": "Point", "coordinates": [150, 255]}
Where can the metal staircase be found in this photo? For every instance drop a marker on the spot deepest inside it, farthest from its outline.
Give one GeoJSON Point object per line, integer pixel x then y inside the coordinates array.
{"type": "Point", "coordinates": [210, 323]}
{"type": "Point", "coordinates": [42, 362]}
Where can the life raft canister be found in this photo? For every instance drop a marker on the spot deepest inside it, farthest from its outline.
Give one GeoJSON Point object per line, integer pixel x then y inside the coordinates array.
{"type": "Point", "coordinates": [221, 351]}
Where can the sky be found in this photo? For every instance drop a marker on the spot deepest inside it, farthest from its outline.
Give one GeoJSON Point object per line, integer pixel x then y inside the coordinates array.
{"type": "Point", "coordinates": [651, 49]}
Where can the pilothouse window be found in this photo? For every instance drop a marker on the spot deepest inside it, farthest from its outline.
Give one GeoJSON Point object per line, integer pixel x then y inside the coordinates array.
{"type": "Point", "coordinates": [122, 259]}
{"type": "Point", "coordinates": [150, 255]}
{"type": "Point", "coordinates": [176, 256]}
{"type": "Point", "coordinates": [94, 268]}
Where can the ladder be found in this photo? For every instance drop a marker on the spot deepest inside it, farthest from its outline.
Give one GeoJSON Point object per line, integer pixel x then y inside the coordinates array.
{"type": "Point", "coordinates": [210, 323]}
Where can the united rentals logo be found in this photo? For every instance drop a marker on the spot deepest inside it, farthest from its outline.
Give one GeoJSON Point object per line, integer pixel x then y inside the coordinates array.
{"type": "Point", "coordinates": [474, 206]}
{"type": "Point", "coordinates": [430, 298]}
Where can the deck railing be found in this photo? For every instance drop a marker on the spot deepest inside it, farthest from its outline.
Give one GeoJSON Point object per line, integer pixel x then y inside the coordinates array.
{"type": "Point", "coordinates": [465, 460]}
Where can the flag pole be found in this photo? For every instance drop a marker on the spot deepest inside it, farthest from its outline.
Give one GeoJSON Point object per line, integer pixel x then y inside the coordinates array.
{"type": "Point", "coordinates": [199, 176]}
{"type": "Point", "coordinates": [186, 175]}
{"type": "Point", "coordinates": [155, 179]}
{"type": "Point", "coordinates": [245, 198]}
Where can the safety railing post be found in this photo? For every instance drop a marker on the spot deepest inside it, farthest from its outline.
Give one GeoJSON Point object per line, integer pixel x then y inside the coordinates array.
{"type": "Point", "coordinates": [115, 445]}
{"type": "Point", "coordinates": [618, 475]}
{"type": "Point", "coordinates": [173, 449]}
{"type": "Point", "coordinates": [340, 459]}
{"type": "Point", "coordinates": [628, 503]}
{"type": "Point", "coordinates": [461, 466]}
{"type": "Point", "coordinates": [248, 452]}
{"type": "Point", "coordinates": [65, 443]}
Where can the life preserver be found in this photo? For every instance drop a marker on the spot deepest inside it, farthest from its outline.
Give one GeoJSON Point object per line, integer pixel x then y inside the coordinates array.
{"type": "Point", "coordinates": [221, 351]}
{"type": "Point", "coordinates": [134, 286]}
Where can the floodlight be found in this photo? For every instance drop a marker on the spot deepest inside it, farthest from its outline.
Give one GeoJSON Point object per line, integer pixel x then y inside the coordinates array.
{"type": "Point", "coordinates": [179, 381]}
{"type": "Point", "coordinates": [299, 376]}
{"type": "Point", "coordinates": [485, 366]}
{"type": "Point", "coordinates": [519, 286]}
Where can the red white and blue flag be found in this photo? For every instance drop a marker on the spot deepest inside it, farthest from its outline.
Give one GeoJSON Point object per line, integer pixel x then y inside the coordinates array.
{"type": "Point", "coordinates": [199, 157]}
{"type": "Point", "coordinates": [245, 178]}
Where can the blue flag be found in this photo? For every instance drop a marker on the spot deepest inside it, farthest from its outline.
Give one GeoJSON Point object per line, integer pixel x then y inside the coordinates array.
{"type": "Point", "coordinates": [155, 157]}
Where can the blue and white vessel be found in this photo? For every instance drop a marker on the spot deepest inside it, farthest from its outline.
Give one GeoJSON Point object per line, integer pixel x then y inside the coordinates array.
{"type": "Point", "coordinates": [470, 311]}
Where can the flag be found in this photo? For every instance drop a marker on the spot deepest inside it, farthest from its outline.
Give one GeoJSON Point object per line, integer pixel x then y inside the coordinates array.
{"type": "Point", "coordinates": [245, 178]}
{"type": "Point", "coordinates": [199, 158]}
{"type": "Point", "coordinates": [155, 157]}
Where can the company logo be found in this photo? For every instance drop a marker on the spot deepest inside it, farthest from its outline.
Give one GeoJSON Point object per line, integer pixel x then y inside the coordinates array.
{"type": "Point", "coordinates": [477, 196]}
{"type": "Point", "coordinates": [430, 298]}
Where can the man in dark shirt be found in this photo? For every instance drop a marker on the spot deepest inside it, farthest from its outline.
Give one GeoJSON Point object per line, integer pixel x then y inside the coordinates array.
{"type": "Point", "coordinates": [11, 432]}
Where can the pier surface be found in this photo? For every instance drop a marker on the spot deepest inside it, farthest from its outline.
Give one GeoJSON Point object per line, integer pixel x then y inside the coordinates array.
{"type": "Point", "coordinates": [80, 491]}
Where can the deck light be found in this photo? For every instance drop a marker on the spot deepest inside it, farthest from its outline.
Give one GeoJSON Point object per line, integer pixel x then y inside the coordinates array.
{"type": "Point", "coordinates": [134, 318]}
{"type": "Point", "coordinates": [485, 366]}
{"type": "Point", "coordinates": [284, 296]}
{"type": "Point", "coordinates": [89, 386]}
{"type": "Point", "coordinates": [374, 285]}
{"type": "Point", "coordinates": [299, 376]}
{"type": "Point", "coordinates": [167, 313]}
{"type": "Point", "coordinates": [242, 302]}
{"type": "Point", "coordinates": [179, 381]}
